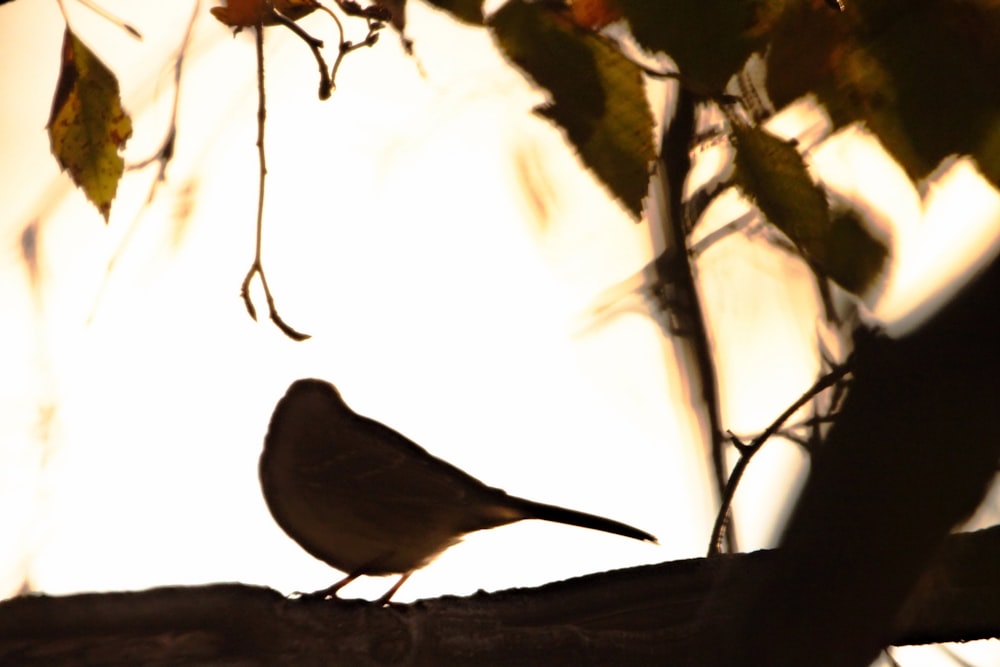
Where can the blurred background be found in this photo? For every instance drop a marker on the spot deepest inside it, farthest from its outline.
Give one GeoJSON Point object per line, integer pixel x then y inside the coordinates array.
{"type": "Point", "coordinates": [463, 278]}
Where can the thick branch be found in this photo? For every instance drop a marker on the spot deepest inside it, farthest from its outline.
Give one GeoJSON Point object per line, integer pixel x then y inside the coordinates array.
{"type": "Point", "coordinates": [642, 615]}
{"type": "Point", "coordinates": [911, 454]}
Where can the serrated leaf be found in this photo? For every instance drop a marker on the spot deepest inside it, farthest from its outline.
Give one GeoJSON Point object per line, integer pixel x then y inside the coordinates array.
{"type": "Point", "coordinates": [921, 75]}
{"type": "Point", "coordinates": [598, 95]}
{"type": "Point", "coordinates": [88, 126]}
{"type": "Point", "coordinates": [708, 39]}
{"type": "Point", "coordinates": [772, 173]}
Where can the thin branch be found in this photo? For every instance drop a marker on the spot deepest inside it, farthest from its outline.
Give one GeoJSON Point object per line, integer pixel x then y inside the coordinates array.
{"type": "Point", "coordinates": [257, 268]}
{"type": "Point", "coordinates": [340, 26]}
{"type": "Point", "coordinates": [345, 46]}
{"type": "Point", "coordinates": [675, 269]}
{"type": "Point", "coordinates": [325, 82]}
{"type": "Point", "coordinates": [105, 14]}
{"type": "Point", "coordinates": [731, 227]}
{"type": "Point", "coordinates": [747, 451]}
{"type": "Point", "coordinates": [62, 9]}
{"type": "Point", "coordinates": [166, 151]}
{"type": "Point", "coordinates": [163, 154]}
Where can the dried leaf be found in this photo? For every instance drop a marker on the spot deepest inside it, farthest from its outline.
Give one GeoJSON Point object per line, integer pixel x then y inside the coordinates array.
{"type": "Point", "coordinates": [248, 13]}
{"type": "Point", "coordinates": [87, 126]}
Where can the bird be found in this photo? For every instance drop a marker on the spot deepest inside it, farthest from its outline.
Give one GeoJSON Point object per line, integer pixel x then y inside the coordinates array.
{"type": "Point", "coordinates": [367, 500]}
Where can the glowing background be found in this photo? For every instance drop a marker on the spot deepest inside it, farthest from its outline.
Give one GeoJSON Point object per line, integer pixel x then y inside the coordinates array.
{"type": "Point", "coordinates": [442, 246]}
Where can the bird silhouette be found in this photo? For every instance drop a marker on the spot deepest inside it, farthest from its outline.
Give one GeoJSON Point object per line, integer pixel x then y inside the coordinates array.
{"type": "Point", "coordinates": [359, 496]}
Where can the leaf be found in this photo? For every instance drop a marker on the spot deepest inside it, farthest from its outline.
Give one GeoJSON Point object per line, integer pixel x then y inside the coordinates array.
{"type": "Point", "coordinates": [921, 75]}
{"type": "Point", "coordinates": [771, 171]}
{"type": "Point", "coordinates": [595, 14]}
{"type": "Point", "coordinates": [598, 95]}
{"type": "Point", "coordinates": [248, 13]}
{"type": "Point", "coordinates": [773, 174]}
{"type": "Point", "coordinates": [851, 256]}
{"type": "Point", "coordinates": [708, 39]}
{"type": "Point", "coordinates": [87, 126]}
{"type": "Point", "coordinates": [467, 11]}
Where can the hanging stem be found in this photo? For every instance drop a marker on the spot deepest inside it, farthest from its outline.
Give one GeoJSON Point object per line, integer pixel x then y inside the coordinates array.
{"type": "Point", "coordinates": [257, 268]}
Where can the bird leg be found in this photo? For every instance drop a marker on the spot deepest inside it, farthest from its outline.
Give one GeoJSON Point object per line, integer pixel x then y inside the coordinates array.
{"type": "Point", "coordinates": [331, 591]}
{"type": "Point", "coordinates": [384, 600]}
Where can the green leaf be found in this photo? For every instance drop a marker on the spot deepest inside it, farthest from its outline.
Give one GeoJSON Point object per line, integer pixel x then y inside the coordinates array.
{"type": "Point", "coordinates": [921, 75]}
{"type": "Point", "coordinates": [87, 126]}
{"type": "Point", "coordinates": [772, 173]}
{"type": "Point", "coordinates": [851, 256]}
{"type": "Point", "coordinates": [598, 95]}
{"type": "Point", "coordinates": [708, 39]}
{"type": "Point", "coordinates": [467, 11]}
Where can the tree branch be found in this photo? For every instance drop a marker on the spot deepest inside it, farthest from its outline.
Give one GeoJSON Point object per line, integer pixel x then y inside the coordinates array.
{"type": "Point", "coordinates": [640, 615]}
{"type": "Point", "coordinates": [911, 454]}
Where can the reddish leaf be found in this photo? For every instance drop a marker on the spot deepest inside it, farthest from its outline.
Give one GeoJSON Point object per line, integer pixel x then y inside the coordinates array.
{"type": "Point", "coordinates": [595, 14]}
{"type": "Point", "coordinates": [248, 13]}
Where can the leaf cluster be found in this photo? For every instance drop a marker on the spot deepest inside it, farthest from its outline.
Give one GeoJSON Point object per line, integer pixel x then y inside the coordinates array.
{"type": "Point", "coordinates": [920, 74]}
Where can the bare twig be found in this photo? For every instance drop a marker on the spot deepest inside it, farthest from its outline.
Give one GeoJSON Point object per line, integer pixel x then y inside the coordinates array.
{"type": "Point", "coordinates": [165, 152]}
{"type": "Point", "coordinates": [163, 155]}
{"type": "Point", "coordinates": [731, 227]}
{"type": "Point", "coordinates": [105, 14]}
{"type": "Point", "coordinates": [675, 290]}
{"type": "Point", "coordinates": [747, 451]}
{"type": "Point", "coordinates": [374, 15]}
{"type": "Point", "coordinates": [257, 268]}
{"type": "Point", "coordinates": [325, 82]}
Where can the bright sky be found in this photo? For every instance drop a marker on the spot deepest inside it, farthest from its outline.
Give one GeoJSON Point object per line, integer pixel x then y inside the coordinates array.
{"type": "Point", "coordinates": [443, 247]}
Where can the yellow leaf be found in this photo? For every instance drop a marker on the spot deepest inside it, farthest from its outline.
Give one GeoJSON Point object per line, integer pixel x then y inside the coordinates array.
{"type": "Point", "coordinates": [87, 126]}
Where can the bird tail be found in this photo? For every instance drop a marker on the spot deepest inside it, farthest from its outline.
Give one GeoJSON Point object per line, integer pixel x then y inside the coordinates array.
{"type": "Point", "coordinates": [533, 510]}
